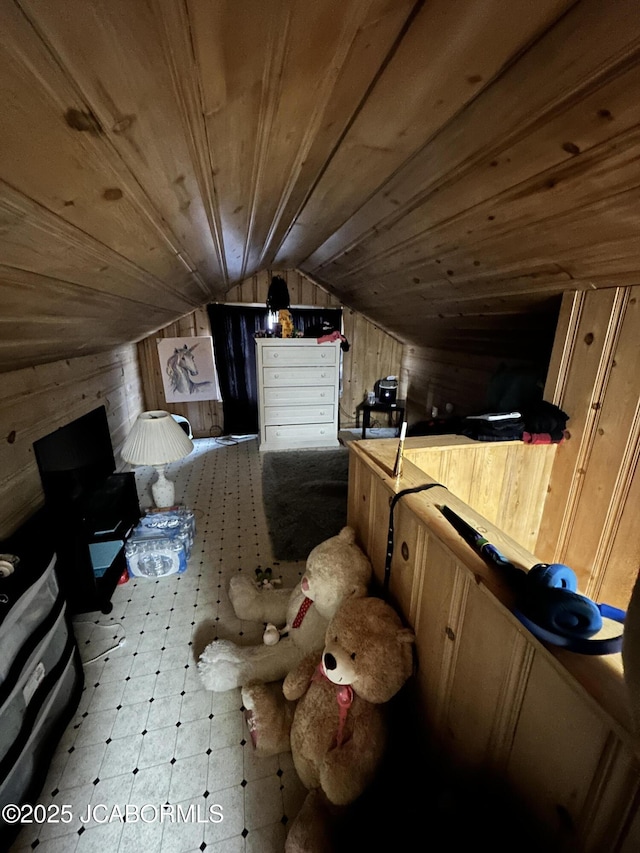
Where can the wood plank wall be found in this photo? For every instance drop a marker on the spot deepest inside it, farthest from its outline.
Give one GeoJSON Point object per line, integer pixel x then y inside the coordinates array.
{"type": "Point", "coordinates": [505, 481]}
{"type": "Point", "coordinates": [435, 377]}
{"type": "Point", "coordinates": [553, 725]}
{"type": "Point", "coordinates": [204, 416]}
{"type": "Point", "coordinates": [372, 352]}
{"type": "Point", "coordinates": [34, 401]}
{"type": "Point", "coordinates": [590, 520]}
{"type": "Point", "coordinates": [372, 355]}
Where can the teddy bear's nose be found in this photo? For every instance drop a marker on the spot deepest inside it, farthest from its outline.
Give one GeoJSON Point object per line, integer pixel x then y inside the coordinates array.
{"type": "Point", "coordinates": [329, 661]}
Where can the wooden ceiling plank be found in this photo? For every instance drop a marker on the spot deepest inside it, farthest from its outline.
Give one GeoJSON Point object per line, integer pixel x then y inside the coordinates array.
{"type": "Point", "coordinates": [113, 56]}
{"type": "Point", "coordinates": [358, 54]}
{"type": "Point", "coordinates": [605, 230]}
{"type": "Point", "coordinates": [178, 37]}
{"type": "Point", "coordinates": [231, 43]}
{"type": "Point", "coordinates": [269, 80]}
{"type": "Point", "coordinates": [426, 83]}
{"type": "Point", "coordinates": [467, 305]}
{"type": "Point", "coordinates": [424, 284]}
{"type": "Point", "coordinates": [57, 151]}
{"type": "Point", "coordinates": [51, 297]}
{"type": "Point", "coordinates": [563, 237]}
{"type": "Point", "coordinates": [605, 170]}
{"type": "Point", "coordinates": [546, 79]}
{"type": "Point", "coordinates": [38, 241]}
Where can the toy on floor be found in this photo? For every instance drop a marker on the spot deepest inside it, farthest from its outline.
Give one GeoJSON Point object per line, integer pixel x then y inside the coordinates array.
{"type": "Point", "coordinates": [336, 569]}
{"type": "Point", "coordinates": [265, 579]}
{"type": "Point", "coordinates": [338, 732]}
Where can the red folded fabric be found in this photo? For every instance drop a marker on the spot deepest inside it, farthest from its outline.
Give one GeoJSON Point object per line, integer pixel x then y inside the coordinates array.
{"type": "Point", "coordinates": [540, 438]}
{"type": "Point", "coordinates": [334, 336]}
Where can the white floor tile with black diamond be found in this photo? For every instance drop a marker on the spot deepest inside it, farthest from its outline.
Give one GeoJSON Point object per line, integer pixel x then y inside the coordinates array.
{"type": "Point", "coordinates": [146, 733]}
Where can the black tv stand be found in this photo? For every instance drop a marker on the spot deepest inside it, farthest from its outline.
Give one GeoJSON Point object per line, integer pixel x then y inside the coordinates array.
{"type": "Point", "coordinates": [89, 533]}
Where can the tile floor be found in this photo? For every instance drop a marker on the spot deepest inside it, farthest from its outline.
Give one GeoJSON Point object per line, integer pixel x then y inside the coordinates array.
{"type": "Point", "coordinates": [146, 733]}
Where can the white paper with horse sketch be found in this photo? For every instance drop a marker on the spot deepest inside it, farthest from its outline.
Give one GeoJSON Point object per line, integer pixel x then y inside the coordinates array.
{"type": "Point", "coordinates": [188, 369]}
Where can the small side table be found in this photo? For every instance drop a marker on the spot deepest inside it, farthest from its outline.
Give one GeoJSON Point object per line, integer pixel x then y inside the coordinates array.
{"type": "Point", "coordinates": [380, 406]}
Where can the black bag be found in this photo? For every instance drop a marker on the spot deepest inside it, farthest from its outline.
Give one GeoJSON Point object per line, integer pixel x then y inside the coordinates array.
{"type": "Point", "coordinates": [278, 295]}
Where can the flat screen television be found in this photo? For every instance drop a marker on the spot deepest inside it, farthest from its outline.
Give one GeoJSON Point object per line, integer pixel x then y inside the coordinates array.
{"type": "Point", "coordinates": [75, 458]}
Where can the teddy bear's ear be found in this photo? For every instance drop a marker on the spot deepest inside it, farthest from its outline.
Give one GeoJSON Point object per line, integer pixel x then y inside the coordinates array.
{"type": "Point", "coordinates": [405, 635]}
{"type": "Point", "coordinates": [348, 535]}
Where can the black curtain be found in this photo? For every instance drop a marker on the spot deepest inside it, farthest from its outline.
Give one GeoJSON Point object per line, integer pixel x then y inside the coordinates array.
{"type": "Point", "coordinates": [233, 330]}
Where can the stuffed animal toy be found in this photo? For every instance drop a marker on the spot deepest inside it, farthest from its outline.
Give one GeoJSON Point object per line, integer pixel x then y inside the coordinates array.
{"type": "Point", "coordinates": [338, 733]}
{"type": "Point", "coordinates": [297, 618]}
{"type": "Point", "coordinates": [286, 322]}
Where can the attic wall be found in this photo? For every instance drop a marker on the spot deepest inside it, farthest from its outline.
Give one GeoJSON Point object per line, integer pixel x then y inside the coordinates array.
{"type": "Point", "coordinates": [434, 377]}
{"type": "Point", "coordinates": [205, 417]}
{"type": "Point", "coordinates": [590, 521]}
{"type": "Point", "coordinates": [372, 352]}
{"type": "Point", "coordinates": [35, 401]}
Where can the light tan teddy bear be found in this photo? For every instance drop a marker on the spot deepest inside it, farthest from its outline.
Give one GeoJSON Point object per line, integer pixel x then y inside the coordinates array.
{"type": "Point", "coordinates": [297, 618]}
{"type": "Point", "coordinates": [338, 733]}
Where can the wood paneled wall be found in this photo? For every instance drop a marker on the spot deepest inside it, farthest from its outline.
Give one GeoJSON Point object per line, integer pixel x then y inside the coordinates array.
{"type": "Point", "coordinates": [302, 290]}
{"type": "Point", "coordinates": [435, 377]}
{"type": "Point", "coordinates": [372, 352]}
{"type": "Point", "coordinates": [505, 481]}
{"type": "Point", "coordinates": [35, 401]}
{"type": "Point", "coordinates": [372, 355]}
{"type": "Point", "coordinates": [554, 725]}
{"type": "Point", "coordinates": [204, 416]}
{"type": "Point", "coordinates": [591, 513]}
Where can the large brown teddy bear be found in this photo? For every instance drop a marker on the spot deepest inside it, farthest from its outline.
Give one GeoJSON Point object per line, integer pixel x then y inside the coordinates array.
{"type": "Point", "coordinates": [338, 733]}
{"type": "Point", "coordinates": [336, 569]}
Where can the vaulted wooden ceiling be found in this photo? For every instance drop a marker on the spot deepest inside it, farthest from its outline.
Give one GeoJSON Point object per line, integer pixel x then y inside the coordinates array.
{"type": "Point", "coordinates": [445, 168]}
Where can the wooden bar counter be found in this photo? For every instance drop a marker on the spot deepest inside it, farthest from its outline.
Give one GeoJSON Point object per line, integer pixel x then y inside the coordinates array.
{"type": "Point", "coordinates": [554, 724]}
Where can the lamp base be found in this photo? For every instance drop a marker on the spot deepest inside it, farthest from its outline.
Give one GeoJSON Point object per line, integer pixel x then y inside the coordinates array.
{"type": "Point", "coordinates": [163, 490]}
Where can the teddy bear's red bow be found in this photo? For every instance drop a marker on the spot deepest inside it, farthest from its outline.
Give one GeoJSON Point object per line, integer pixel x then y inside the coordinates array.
{"type": "Point", "coordinates": [344, 698]}
{"type": "Point", "coordinates": [302, 612]}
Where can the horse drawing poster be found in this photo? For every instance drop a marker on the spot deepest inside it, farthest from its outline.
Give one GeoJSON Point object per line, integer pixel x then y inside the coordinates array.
{"type": "Point", "coordinates": [188, 369]}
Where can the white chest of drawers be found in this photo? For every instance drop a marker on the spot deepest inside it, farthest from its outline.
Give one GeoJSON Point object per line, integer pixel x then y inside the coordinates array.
{"type": "Point", "coordinates": [298, 391]}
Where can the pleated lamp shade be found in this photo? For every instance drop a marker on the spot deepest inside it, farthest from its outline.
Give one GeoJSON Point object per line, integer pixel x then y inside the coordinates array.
{"type": "Point", "coordinates": [155, 439]}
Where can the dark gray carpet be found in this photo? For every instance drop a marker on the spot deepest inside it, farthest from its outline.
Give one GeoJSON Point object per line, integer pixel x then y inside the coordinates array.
{"type": "Point", "coordinates": [305, 498]}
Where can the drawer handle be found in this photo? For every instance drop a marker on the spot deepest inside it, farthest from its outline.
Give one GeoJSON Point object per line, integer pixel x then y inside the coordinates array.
{"type": "Point", "coordinates": [322, 411]}
{"type": "Point", "coordinates": [275, 355]}
{"type": "Point", "coordinates": [322, 394]}
{"type": "Point", "coordinates": [321, 432]}
{"type": "Point", "coordinates": [276, 376]}
{"type": "Point", "coordinates": [323, 375]}
{"type": "Point", "coordinates": [323, 355]}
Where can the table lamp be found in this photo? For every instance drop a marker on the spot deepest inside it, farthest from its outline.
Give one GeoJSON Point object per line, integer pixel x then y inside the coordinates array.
{"type": "Point", "coordinates": [156, 439]}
